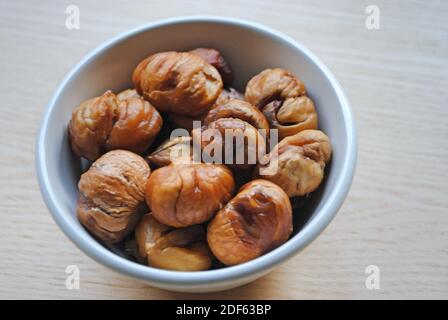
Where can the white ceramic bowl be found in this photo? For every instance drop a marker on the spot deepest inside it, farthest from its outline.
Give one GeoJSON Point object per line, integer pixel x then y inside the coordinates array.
{"type": "Point", "coordinates": [250, 48]}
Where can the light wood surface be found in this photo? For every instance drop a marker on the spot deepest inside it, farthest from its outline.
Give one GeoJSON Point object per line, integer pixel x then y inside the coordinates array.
{"type": "Point", "coordinates": [396, 215]}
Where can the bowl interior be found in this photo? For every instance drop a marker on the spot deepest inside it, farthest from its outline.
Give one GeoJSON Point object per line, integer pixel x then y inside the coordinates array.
{"type": "Point", "coordinates": [248, 50]}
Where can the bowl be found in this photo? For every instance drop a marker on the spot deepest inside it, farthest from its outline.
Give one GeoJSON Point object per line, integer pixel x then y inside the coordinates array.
{"type": "Point", "coordinates": [250, 48]}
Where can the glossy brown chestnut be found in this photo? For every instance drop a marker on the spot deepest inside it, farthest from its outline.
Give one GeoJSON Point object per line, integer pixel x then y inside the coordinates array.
{"type": "Point", "coordinates": [178, 82]}
{"type": "Point", "coordinates": [90, 125]}
{"type": "Point", "coordinates": [257, 220]}
{"type": "Point", "coordinates": [291, 115]}
{"type": "Point", "coordinates": [112, 195]}
{"type": "Point", "coordinates": [246, 145]}
{"type": "Point", "coordinates": [174, 150]}
{"type": "Point", "coordinates": [297, 163]}
{"type": "Point", "coordinates": [181, 195]}
{"type": "Point", "coordinates": [164, 247]}
{"type": "Point", "coordinates": [273, 84]}
{"type": "Point", "coordinates": [108, 122]}
{"type": "Point", "coordinates": [238, 109]}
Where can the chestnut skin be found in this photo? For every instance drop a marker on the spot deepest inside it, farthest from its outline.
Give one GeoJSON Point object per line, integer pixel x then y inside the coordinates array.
{"type": "Point", "coordinates": [211, 138]}
{"type": "Point", "coordinates": [181, 195]}
{"type": "Point", "coordinates": [297, 163]}
{"type": "Point", "coordinates": [273, 84]}
{"type": "Point", "coordinates": [110, 122]}
{"type": "Point", "coordinates": [112, 195]}
{"type": "Point", "coordinates": [257, 220]}
{"type": "Point", "coordinates": [176, 149]}
{"type": "Point", "coordinates": [165, 247]}
{"type": "Point", "coordinates": [291, 115]}
{"type": "Point", "coordinates": [215, 58]}
{"type": "Point", "coordinates": [178, 82]}
{"type": "Point", "coordinates": [238, 109]}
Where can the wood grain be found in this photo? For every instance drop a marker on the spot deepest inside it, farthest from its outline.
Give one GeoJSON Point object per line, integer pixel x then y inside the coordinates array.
{"type": "Point", "coordinates": [396, 215]}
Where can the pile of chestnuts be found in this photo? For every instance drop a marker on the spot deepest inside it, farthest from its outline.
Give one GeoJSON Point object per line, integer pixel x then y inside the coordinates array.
{"type": "Point", "coordinates": [181, 214]}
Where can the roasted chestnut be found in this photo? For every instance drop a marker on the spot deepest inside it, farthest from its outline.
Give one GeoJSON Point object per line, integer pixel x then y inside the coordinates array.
{"type": "Point", "coordinates": [257, 220]}
{"type": "Point", "coordinates": [164, 247]}
{"type": "Point", "coordinates": [238, 109]}
{"type": "Point", "coordinates": [181, 195]}
{"type": "Point", "coordinates": [297, 162]}
{"type": "Point", "coordinates": [273, 84]}
{"type": "Point", "coordinates": [232, 141]}
{"type": "Point", "coordinates": [112, 195]}
{"type": "Point", "coordinates": [178, 82]}
{"type": "Point", "coordinates": [173, 150]}
{"type": "Point", "coordinates": [187, 122]}
{"type": "Point", "coordinates": [291, 115]}
{"type": "Point", "coordinates": [107, 123]}
{"type": "Point", "coordinates": [215, 58]}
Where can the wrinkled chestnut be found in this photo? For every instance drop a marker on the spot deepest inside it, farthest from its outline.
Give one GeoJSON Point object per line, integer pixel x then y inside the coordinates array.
{"type": "Point", "coordinates": [186, 122]}
{"type": "Point", "coordinates": [171, 151]}
{"type": "Point", "coordinates": [112, 195]}
{"type": "Point", "coordinates": [273, 84]}
{"type": "Point", "coordinates": [229, 94]}
{"type": "Point", "coordinates": [238, 109]}
{"type": "Point", "coordinates": [164, 247]}
{"type": "Point", "coordinates": [181, 195]}
{"type": "Point", "coordinates": [246, 145]}
{"type": "Point", "coordinates": [297, 163]}
{"type": "Point", "coordinates": [178, 82]}
{"type": "Point", "coordinates": [107, 123]}
{"type": "Point", "coordinates": [257, 220]}
{"type": "Point", "coordinates": [215, 58]}
{"type": "Point", "coordinates": [291, 115]}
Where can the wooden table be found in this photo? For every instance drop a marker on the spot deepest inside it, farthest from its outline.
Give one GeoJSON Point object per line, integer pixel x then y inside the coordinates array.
{"type": "Point", "coordinates": [396, 215]}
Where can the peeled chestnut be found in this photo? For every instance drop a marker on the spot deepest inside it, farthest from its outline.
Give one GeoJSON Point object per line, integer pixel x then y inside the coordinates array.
{"type": "Point", "coordinates": [164, 247]}
{"type": "Point", "coordinates": [187, 122]}
{"type": "Point", "coordinates": [297, 163]}
{"type": "Point", "coordinates": [291, 115]}
{"type": "Point", "coordinates": [257, 220]}
{"type": "Point", "coordinates": [238, 109]}
{"type": "Point", "coordinates": [178, 82]}
{"type": "Point", "coordinates": [229, 94]}
{"type": "Point", "coordinates": [91, 124]}
{"type": "Point", "coordinates": [232, 141]}
{"type": "Point", "coordinates": [109, 122]}
{"type": "Point", "coordinates": [112, 195]}
{"type": "Point", "coordinates": [215, 58]}
{"type": "Point", "coordinates": [181, 195]}
{"type": "Point", "coordinates": [173, 150]}
{"type": "Point", "coordinates": [273, 84]}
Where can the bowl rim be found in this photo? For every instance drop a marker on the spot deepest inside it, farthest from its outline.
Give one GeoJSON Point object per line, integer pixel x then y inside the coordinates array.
{"type": "Point", "coordinates": [264, 263]}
